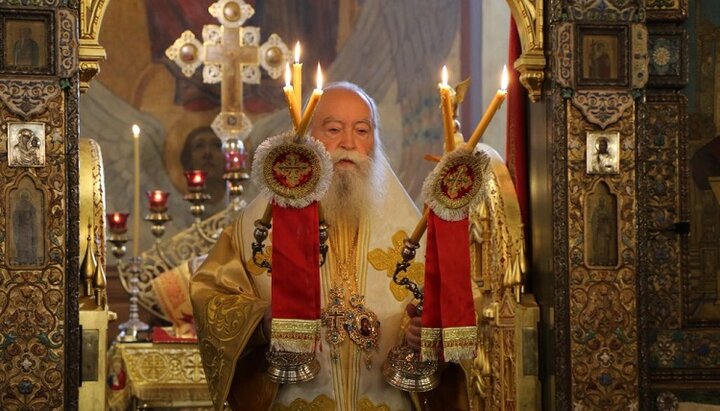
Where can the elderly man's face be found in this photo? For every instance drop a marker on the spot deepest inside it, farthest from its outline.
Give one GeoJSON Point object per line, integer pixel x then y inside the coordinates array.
{"type": "Point", "coordinates": [343, 120]}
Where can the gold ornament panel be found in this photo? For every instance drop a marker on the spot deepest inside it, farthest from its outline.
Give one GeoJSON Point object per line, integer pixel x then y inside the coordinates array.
{"type": "Point", "coordinates": [33, 298]}
{"type": "Point", "coordinates": [602, 303]}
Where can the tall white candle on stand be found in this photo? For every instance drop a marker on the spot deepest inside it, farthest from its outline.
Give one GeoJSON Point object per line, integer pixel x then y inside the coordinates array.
{"type": "Point", "coordinates": [136, 191]}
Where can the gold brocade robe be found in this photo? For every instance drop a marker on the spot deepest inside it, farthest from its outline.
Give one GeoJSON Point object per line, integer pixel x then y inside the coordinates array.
{"type": "Point", "coordinates": [230, 294]}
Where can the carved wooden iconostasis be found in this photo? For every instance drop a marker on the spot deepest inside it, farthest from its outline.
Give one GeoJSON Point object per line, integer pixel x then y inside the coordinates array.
{"type": "Point", "coordinates": [634, 320]}
{"type": "Point", "coordinates": [600, 68]}
{"type": "Point", "coordinates": [39, 86]}
{"type": "Point", "coordinates": [682, 214]}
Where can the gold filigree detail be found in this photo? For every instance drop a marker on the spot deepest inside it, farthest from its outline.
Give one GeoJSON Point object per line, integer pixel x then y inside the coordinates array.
{"type": "Point", "coordinates": [226, 315]}
{"type": "Point", "coordinates": [603, 108]}
{"type": "Point", "coordinates": [366, 405]}
{"type": "Point", "coordinates": [294, 335]}
{"type": "Point", "coordinates": [387, 259]}
{"type": "Point", "coordinates": [321, 403]}
{"type": "Point", "coordinates": [293, 163]}
{"type": "Point", "coordinates": [456, 181]}
{"type": "Point", "coordinates": [293, 169]}
{"type": "Point", "coordinates": [324, 403]}
{"type": "Point", "coordinates": [154, 372]}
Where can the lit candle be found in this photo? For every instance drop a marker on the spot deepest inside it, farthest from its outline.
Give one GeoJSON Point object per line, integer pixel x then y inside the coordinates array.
{"type": "Point", "coordinates": [297, 77]}
{"type": "Point", "coordinates": [117, 222]}
{"type": "Point", "coordinates": [293, 105]}
{"type": "Point", "coordinates": [312, 103]}
{"type": "Point", "coordinates": [195, 180]}
{"type": "Point", "coordinates": [235, 160]}
{"type": "Point", "coordinates": [490, 112]}
{"type": "Point", "coordinates": [136, 193]}
{"type": "Point", "coordinates": [158, 200]}
{"type": "Point", "coordinates": [446, 93]}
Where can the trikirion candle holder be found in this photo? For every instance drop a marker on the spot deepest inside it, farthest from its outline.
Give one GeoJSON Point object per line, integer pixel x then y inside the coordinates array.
{"type": "Point", "coordinates": [404, 369]}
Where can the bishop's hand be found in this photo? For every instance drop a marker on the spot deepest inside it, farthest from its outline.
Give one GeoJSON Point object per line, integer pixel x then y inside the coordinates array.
{"type": "Point", "coordinates": [412, 332]}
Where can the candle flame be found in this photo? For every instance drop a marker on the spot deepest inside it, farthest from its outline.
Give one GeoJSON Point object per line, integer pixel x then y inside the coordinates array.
{"type": "Point", "coordinates": [319, 78]}
{"type": "Point", "coordinates": [136, 130]}
{"type": "Point", "coordinates": [444, 76]}
{"type": "Point", "coordinates": [297, 52]}
{"type": "Point", "coordinates": [116, 217]}
{"type": "Point", "coordinates": [505, 79]}
{"type": "Point", "coordinates": [288, 75]}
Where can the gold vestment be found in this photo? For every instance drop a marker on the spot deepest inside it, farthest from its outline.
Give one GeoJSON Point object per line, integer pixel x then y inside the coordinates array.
{"type": "Point", "coordinates": [230, 295]}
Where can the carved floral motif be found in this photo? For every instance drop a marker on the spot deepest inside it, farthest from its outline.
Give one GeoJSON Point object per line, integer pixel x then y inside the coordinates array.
{"type": "Point", "coordinates": [605, 10]}
{"type": "Point", "coordinates": [602, 108]}
{"type": "Point", "coordinates": [67, 43]}
{"type": "Point", "coordinates": [602, 302]}
{"type": "Point", "coordinates": [28, 97]}
{"type": "Point", "coordinates": [33, 323]}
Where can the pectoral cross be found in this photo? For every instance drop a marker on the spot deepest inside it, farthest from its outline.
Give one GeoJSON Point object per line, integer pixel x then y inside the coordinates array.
{"type": "Point", "coordinates": [332, 317]}
{"type": "Point", "coordinates": [232, 55]}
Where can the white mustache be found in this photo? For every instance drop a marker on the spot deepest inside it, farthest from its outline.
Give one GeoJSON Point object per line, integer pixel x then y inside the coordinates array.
{"type": "Point", "coordinates": [342, 154]}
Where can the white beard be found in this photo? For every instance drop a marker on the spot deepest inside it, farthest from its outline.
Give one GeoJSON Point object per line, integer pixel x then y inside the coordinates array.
{"type": "Point", "coordinates": [354, 190]}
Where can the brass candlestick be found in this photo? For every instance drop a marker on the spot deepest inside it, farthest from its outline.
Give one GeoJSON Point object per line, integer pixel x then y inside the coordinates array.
{"type": "Point", "coordinates": [404, 369]}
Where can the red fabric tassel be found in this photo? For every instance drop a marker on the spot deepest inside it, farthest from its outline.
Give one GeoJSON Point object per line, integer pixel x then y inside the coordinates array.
{"type": "Point", "coordinates": [295, 263]}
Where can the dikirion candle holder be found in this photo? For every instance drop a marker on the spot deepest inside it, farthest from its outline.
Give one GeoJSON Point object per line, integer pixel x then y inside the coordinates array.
{"type": "Point", "coordinates": [404, 369]}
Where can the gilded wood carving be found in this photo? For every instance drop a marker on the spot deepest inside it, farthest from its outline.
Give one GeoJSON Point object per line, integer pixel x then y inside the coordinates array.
{"type": "Point", "coordinates": [528, 16]}
{"type": "Point", "coordinates": [602, 282]}
{"type": "Point", "coordinates": [34, 272]}
{"type": "Point", "coordinates": [91, 52]}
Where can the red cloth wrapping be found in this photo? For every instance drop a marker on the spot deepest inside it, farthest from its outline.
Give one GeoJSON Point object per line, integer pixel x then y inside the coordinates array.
{"type": "Point", "coordinates": [448, 319]}
{"type": "Point", "coordinates": [516, 147]}
{"type": "Point", "coordinates": [295, 278]}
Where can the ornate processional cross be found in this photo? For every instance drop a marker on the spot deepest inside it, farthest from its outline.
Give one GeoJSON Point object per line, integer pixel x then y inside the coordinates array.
{"type": "Point", "coordinates": [232, 55]}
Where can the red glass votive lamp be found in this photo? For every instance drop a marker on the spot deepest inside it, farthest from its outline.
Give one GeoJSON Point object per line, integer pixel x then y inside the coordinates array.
{"type": "Point", "coordinates": [158, 200]}
{"type": "Point", "coordinates": [234, 160]}
{"type": "Point", "coordinates": [117, 222]}
{"type": "Point", "coordinates": [195, 180]}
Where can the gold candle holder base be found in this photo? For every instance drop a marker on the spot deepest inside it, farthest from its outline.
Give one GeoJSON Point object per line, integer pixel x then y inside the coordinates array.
{"type": "Point", "coordinates": [234, 180]}
{"type": "Point", "coordinates": [158, 220]}
{"type": "Point", "coordinates": [197, 200]}
{"type": "Point", "coordinates": [291, 367]}
{"type": "Point", "coordinates": [405, 371]}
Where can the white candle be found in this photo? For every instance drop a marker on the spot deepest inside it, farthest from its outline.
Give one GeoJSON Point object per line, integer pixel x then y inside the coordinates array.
{"type": "Point", "coordinates": [297, 77]}
{"type": "Point", "coordinates": [446, 93]}
{"type": "Point", "coordinates": [293, 106]}
{"type": "Point", "coordinates": [490, 112]}
{"type": "Point", "coordinates": [136, 189]}
{"type": "Point", "coordinates": [312, 103]}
